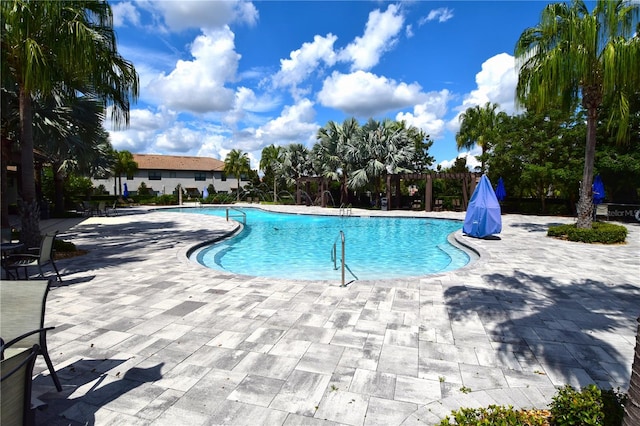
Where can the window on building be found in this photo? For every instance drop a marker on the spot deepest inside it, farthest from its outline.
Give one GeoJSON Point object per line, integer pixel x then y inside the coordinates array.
{"type": "Point", "coordinates": [223, 177]}
{"type": "Point", "coordinates": [129, 177]}
{"type": "Point", "coordinates": [172, 175]}
{"type": "Point", "coordinates": [201, 176]}
{"type": "Point", "coordinates": [155, 175]}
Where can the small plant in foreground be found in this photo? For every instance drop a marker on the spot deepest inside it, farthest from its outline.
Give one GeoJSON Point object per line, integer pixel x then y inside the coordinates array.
{"type": "Point", "coordinates": [590, 406]}
{"type": "Point", "coordinates": [496, 415]}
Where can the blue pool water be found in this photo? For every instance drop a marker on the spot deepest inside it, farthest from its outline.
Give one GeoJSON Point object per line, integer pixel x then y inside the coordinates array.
{"type": "Point", "coordinates": [300, 246]}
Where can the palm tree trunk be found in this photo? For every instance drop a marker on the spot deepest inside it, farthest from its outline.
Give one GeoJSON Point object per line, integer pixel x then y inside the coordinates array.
{"type": "Point", "coordinates": [5, 153]}
{"type": "Point", "coordinates": [585, 204]}
{"type": "Point", "coordinates": [344, 191]}
{"type": "Point", "coordinates": [28, 205]}
{"type": "Point", "coordinates": [275, 182]}
{"type": "Point", "coordinates": [58, 182]}
{"type": "Point", "coordinates": [632, 407]}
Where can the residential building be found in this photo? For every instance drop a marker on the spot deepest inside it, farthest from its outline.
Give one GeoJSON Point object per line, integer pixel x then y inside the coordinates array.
{"type": "Point", "coordinates": [163, 173]}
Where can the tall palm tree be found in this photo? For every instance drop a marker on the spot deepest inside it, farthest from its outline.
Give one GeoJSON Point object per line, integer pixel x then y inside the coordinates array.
{"type": "Point", "coordinates": [47, 44]}
{"type": "Point", "coordinates": [271, 163]}
{"type": "Point", "coordinates": [70, 133]}
{"type": "Point", "coordinates": [383, 147]}
{"type": "Point", "coordinates": [237, 163]}
{"type": "Point", "coordinates": [330, 152]}
{"type": "Point", "coordinates": [575, 56]}
{"type": "Point", "coordinates": [297, 162]}
{"type": "Point", "coordinates": [478, 126]}
{"type": "Point", "coordinates": [124, 165]}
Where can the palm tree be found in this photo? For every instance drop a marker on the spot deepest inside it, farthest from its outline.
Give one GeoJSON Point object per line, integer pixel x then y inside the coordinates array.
{"type": "Point", "coordinates": [124, 165]}
{"type": "Point", "coordinates": [69, 45]}
{"type": "Point", "coordinates": [70, 133]}
{"type": "Point", "coordinates": [271, 163]}
{"type": "Point", "coordinates": [297, 163]}
{"type": "Point", "coordinates": [575, 56]}
{"type": "Point", "coordinates": [237, 163]}
{"type": "Point", "coordinates": [330, 152]}
{"type": "Point", "coordinates": [478, 126]}
{"type": "Point", "coordinates": [383, 147]}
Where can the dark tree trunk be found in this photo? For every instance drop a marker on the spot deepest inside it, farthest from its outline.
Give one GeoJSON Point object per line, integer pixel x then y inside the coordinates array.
{"type": "Point", "coordinates": [28, 206]}
{"type": "Point", "coordinates": [6, 149]}
{"type": "Point", "coordinates": [58, 183]}
{"type": "Point", "coordinates": [632, 407]}
{"type": "Point", "coordinates": [585, 205]}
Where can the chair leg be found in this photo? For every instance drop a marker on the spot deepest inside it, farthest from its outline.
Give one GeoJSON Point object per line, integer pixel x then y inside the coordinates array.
{"type": "Point", "coordinates": [56, 269]}
{"type": "Point", "coordinates": [52, 371]}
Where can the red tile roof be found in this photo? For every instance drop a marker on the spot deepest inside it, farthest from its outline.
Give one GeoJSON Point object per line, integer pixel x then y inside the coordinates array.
{"type": "Point", "coordinates": [174, 162]}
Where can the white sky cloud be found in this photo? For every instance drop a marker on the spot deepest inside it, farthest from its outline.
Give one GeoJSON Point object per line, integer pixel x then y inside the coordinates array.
{"type": "Point", "coordinates": [182, 15]}
{"type": "Point", "coordinates": [124, 13]}
{"type": "Point", "coordinates": [305, 61]}
{"type": "Point", "coordinates": [429, 115]}
{"type": "Point", "coordinates": [199, 85]}
{"type": "Point", "coordinates": [496, 82]}
{"type": "Point", "coordinates": [472, 162]}
{"type": "Point", "coordinates": [145, 124]}
{"type": "Point", "coordinates": [380, 36]}
{"type": "Point", "coordinates": [442, 14]}
{"type": "Point", "coordinates": [364, 94]}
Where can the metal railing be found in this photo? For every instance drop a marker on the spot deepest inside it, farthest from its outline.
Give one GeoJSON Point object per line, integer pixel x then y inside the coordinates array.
{"type": "Point", "coordinates": [334, 255]}
{"type": "Point", "coordinates": [345, 210]}
{"type": "Point", "coordinates": [239, 214]}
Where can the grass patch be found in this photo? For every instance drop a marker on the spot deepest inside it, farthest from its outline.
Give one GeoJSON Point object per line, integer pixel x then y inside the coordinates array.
{"type": "Point", "coordinates": [600, 232]}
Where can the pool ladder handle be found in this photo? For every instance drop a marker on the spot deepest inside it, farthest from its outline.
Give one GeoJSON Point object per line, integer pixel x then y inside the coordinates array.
{"type": "Point", "coordinates": [334, 256]}
{"type": "Point", "coordinates": [240, 213]}
{"type": "Point", "coordinates": [345, 209]}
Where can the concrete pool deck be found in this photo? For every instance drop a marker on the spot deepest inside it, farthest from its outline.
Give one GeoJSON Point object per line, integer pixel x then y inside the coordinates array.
{"type": "Point", "coordinates": [144, 336]}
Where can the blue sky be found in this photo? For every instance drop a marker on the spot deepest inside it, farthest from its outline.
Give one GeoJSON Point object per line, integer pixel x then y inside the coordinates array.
{"type": "Point", "coordinates": [223, 75]}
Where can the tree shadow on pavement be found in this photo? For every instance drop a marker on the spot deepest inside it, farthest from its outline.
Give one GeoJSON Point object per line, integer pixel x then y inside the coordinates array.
{"type": "Point", "coordinates": [577, 333]}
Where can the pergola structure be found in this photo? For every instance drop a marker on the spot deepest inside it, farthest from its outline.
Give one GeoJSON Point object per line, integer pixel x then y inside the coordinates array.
{"type": "Point", "coordinates": [469, 182]}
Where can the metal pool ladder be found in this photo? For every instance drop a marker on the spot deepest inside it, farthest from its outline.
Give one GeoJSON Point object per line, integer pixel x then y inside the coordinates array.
{"type": "Point", "coordinates": [345, 210]}
{"type": "Point", "coordinates": [239, 214]}
{"type": "Point", "coordinates": [334, 255]}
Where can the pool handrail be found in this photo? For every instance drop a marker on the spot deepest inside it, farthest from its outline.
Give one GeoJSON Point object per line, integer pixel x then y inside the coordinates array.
{"type": "Point", "coordinates": [241, 214]}
{"type": "Point", "coordinates": [345, 209]}
{"type": "Point", "coordinates": [334, 255]}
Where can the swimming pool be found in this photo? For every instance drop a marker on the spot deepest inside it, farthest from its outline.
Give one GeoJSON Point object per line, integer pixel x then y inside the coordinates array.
{"type": "Point", "coordinates": [299, 246]}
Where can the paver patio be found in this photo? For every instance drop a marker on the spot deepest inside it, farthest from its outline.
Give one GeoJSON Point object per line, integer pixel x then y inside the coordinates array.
{"type": "Point", "coordinates": [144, 336]}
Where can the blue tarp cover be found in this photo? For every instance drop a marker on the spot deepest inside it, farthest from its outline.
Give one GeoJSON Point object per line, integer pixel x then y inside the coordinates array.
{"type": "Point", "coordinates": [483, 214]}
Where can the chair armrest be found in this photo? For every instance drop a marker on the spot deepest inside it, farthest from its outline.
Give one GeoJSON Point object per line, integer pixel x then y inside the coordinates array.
{"type": "Point", "coordinates": [22, 336]}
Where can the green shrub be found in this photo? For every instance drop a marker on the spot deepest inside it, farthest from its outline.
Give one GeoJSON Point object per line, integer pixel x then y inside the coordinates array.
{"type": "Point", "coordinates": [605, 233]}
{"type": "Point", "coordinates": [63, 246]}
{"type": "Point", "coordinates": [572, 407]}
{"type": "Point", "coordinates": [166, 200]}
{"type": "Point", "coordinates": [590, 406]}
{"type": "Point", "coordinates": [495, 415]}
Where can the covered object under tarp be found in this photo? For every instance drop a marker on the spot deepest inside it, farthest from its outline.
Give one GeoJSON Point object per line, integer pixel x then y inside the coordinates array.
{"type": "Point", "coordinates": [483, 214]}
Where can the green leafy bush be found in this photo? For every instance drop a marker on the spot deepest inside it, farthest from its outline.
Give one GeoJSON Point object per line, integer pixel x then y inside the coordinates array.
{"type": "Point", "coordinates": [605, 233]}
{"type": "Point", "coordinates": [572, 407]}
{"type": "Point", "coordinates": [166, 200]}
{"type": "Point", "coordinates": [63, 246]}
{"type": "Point", "coordinates": [495, 415]}
{"type": "Point", "coordinates": [589, 406]}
